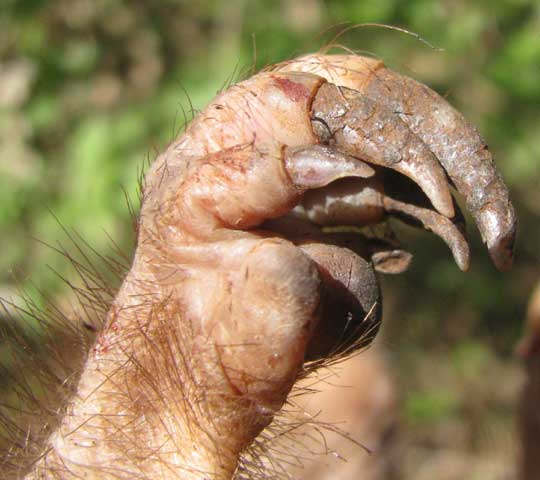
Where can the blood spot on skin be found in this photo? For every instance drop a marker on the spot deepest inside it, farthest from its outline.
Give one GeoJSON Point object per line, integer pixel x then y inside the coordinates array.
{"type": "Point", "coordinates": [274, 359]}
{"type": "Point", "coordinates": [295, 91]}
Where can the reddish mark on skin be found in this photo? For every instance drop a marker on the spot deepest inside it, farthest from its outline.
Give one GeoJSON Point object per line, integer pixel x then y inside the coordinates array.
{"type": "Point", "coordinates": [295, 91]}
{"type": "Point", "coordinates": [101, 347]}
{"type": "Point", "coordinates": [274, 359]}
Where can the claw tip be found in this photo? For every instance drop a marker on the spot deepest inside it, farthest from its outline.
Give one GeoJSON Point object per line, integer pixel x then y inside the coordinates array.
{"type": "Point", "coordinates": [498, 224]}
{"type": "Point", "coordinates": [462, 257]}
{"type": "Point", "coordinates": [444, 204]}
{"type": "Point", "coordinates": [502, 252]}
{"type": "Point", "coordinates": [501, 247]}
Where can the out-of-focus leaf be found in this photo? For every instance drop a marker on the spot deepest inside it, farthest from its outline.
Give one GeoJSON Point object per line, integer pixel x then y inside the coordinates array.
{"type": "Point", "coordinates": [517, 67]}
{"type": "Point", "coordinates": [430, 406]}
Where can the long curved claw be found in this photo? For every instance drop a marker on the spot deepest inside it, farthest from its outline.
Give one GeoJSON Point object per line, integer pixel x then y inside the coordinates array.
{"type": "Point", "coordinates": [367, 129]}
{"type": "Point", "coordinates": [457, 145]}
{"type": "Point", "coordinates": [462, 152]}
{"type": "Point", "coordinates": [452, 233]}
{"type": "Point", "coordinates": [402, 199]}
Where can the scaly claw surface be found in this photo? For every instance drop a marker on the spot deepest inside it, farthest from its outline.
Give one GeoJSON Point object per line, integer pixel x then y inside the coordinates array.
{"type": "Point", "coordinates": [442, 129]}
{"type": "Point", "coordinates": [367, 129]}
{"type": "Point", "coordinates": [462, 152]}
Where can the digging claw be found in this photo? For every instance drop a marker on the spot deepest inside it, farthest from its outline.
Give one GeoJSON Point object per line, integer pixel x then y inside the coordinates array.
{"type": "Point", "coordinates": [461, 151]}
{"type": "Point", "coordinates": [388, 119]}
{"type": "Point", "coordinates": [452, 233]}
{"type": "Point", "coordinates": [368, 130]}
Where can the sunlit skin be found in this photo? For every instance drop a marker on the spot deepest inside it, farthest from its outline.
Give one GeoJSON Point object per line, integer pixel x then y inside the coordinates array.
{"type": "Point", "coordinates": [235, 282]}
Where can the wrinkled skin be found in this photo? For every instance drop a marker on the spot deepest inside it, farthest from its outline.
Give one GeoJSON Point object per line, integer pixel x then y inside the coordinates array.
{"type": "Point", "coordinates": [236, 283]}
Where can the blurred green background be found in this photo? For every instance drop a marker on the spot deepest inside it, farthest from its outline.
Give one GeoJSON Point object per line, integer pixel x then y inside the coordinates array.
{"type": "Point", "coordinates": [90, 90]}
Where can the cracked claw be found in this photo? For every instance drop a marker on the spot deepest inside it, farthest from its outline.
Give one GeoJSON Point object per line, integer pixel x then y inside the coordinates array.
{"type": "Point", "coordinates": [423, 135]}
{"type": "Point", "coordinates": [362, 127]}
{"type": "Point", "coordinates": [462, 152]}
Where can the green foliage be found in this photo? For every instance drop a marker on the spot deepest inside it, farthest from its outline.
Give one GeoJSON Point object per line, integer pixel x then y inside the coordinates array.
{"type": "Point", "coordinates": [429, 406]}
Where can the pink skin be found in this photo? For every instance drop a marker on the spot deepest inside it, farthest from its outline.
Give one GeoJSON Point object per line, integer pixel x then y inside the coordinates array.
{"type": "Point", "coordinates": [234, 283]}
